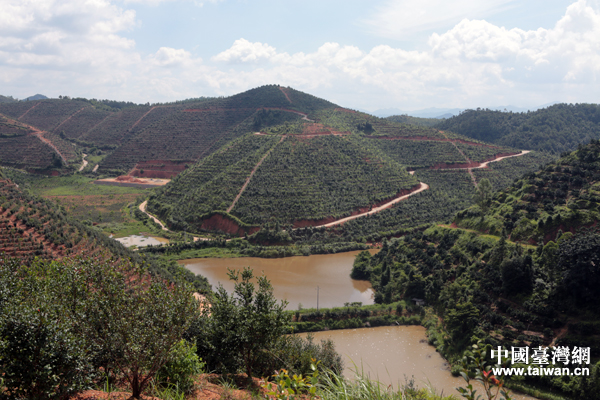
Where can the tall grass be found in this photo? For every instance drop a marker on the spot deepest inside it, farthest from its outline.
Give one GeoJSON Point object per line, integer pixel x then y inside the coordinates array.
{"type": "Point", "coordinates": [336, 387]}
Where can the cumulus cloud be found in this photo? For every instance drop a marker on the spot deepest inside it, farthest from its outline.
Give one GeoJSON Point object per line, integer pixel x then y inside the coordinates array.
{"type": "Point", "coordinates": [245, 51]}
{"type": "Point", "coordinates": [50, 45]}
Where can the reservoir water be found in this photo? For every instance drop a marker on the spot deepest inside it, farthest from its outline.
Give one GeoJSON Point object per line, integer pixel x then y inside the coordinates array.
{"type": "Point", "coordinates": [295, 279]}
{"type": "Point", "coordinates": [391, 353]}
{"type": "Point", "coordinates": [385, 353]}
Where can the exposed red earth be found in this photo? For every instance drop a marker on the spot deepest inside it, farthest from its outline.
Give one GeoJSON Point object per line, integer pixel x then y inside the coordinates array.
{"type": "Point", "coordinates": [25, 113]}
{"type": "Point", "coordinates": [163, 169]}
{"type": "Point", "coordinates": [285, 93]}
{"type": "Point", "coordinates": [130, 181]}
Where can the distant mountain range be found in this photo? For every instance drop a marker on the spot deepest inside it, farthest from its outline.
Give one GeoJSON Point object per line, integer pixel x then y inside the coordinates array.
{"type": "Point", "coordinates": [440, 113]}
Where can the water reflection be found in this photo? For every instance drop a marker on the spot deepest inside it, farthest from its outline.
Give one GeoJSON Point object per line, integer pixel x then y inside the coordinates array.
{"type": "Point", "coordinates": [295, 278]}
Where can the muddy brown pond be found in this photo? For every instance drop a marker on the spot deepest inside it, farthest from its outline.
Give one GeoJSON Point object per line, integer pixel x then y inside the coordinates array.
{"type": "Point", "coordinates": [294, 279]}
{"type": "Point", "coordinates": [385, 353]}
{"type": "Point", "coordinates": [391, 353]}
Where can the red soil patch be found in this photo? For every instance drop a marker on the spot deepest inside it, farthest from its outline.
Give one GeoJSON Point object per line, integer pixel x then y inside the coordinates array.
{"type": "Point", "coordinates": [285, 93]}
{"type": "Point", "coordinates": [162, 169]}
{"type": "Point", "coordinates": [218, 222]}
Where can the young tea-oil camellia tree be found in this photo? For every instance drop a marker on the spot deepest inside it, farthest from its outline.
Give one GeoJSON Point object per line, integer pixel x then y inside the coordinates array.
{"type": "Point", "coordinates": [246, 322]}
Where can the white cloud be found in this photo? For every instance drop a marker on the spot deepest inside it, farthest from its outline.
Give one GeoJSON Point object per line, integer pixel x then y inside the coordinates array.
{"type": "Point", "coordinates": [199, 3]}
{"type": "Point", "coordinates": [81, 48]}
{"type": "Point", "coordinates": [397, 19]}
{"type": "Point", "coordinates": [245, 51]}
{"type": "Point", "coordinates": [167, 56]}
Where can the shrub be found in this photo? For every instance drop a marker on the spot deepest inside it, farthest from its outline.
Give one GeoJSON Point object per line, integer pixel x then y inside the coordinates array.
{"type": "Point", "coordinates": [184, 365]}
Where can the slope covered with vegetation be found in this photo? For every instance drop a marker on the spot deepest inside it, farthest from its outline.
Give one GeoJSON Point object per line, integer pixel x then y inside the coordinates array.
{"type": "Point", "coordinates": [556, 129]}
{"type": "Point", "coordinates": [488, 288]}
{"type": "Point", "coordinates": [486, 283]}
{"type": "Point", "coordinates": [407, 119]}
{"type": "Point", "coordinates": [563, 196]}
{"type": "Point", "coordinates": [298, 180]}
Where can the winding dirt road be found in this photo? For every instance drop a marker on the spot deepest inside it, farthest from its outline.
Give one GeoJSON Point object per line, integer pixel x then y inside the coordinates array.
{"type": "Point", "coordinates": [423, 186]}
{"type": "Point", "coordinates": [143, 209]}
{"type": "Point", "coordinates": [84, 163]}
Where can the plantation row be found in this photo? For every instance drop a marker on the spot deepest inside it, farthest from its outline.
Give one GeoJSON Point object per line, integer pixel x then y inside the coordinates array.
{"type": "Point", "coordinates": [357, 122]}
{"type": "Point", "coordinates": [116, 128]}
{"type": "Point", "coordinates": [48, 114]}
{"type": "Point", "coordinates": [186, 135]}
{"type": "Point", "coordinates": [9, 130]}
{"type": "Point", "coordinates": [318, 178]}
{"type": "Point", "coordinates": [420, 154]}
{"type": "Point", "coordinates": [210, 185]}
{"type": "Point", "coordinates": [27, 151]}
{"type": "Point", "coordinates": [17, 108]}
{"type": "Point", "coordinates": [81, 123]}
{"type": "Point", "coordinates": [65, 148]}
{"type": "Point", "coordinates": [483, 153]}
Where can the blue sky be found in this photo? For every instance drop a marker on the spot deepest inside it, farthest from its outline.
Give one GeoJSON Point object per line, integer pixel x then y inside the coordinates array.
{"type": "Point", "coordinates": [366, 54]}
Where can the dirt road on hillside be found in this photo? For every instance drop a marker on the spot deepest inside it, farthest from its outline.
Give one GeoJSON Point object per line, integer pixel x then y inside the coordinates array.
{"type": "Point", "coordinates": [422, 187]}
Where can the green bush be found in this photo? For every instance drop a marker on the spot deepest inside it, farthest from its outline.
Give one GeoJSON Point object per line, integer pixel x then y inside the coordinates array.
{"type": "Point", "coordinates": [184, 365]}
{"type": "Point", "coordinates": [41, 357]}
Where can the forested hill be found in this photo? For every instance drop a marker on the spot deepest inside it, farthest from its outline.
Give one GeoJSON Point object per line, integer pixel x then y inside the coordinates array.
{"type": "Point", "coordinates": [488, 285]}
{"type": "Point", "coordinates": [407, 119]}
{"type": "Point", "coordinates": [6, 99]}
{"type": "Point", "coordinates": [556, 129]}
{"type": "Point", "coordinates": [35, 135]}
{"type": "Point", "coordinates": [564, 196]}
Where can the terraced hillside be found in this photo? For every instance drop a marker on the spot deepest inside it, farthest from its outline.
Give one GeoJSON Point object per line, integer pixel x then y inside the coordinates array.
{"type": "Point", "coordinates": [188, 130]}
{"type": "Point", "coordinates": [33, 227]}
{"type": "Point", "coordinates": [22, 146]}
{"type": "Point", "coordinates": [293, 180]}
